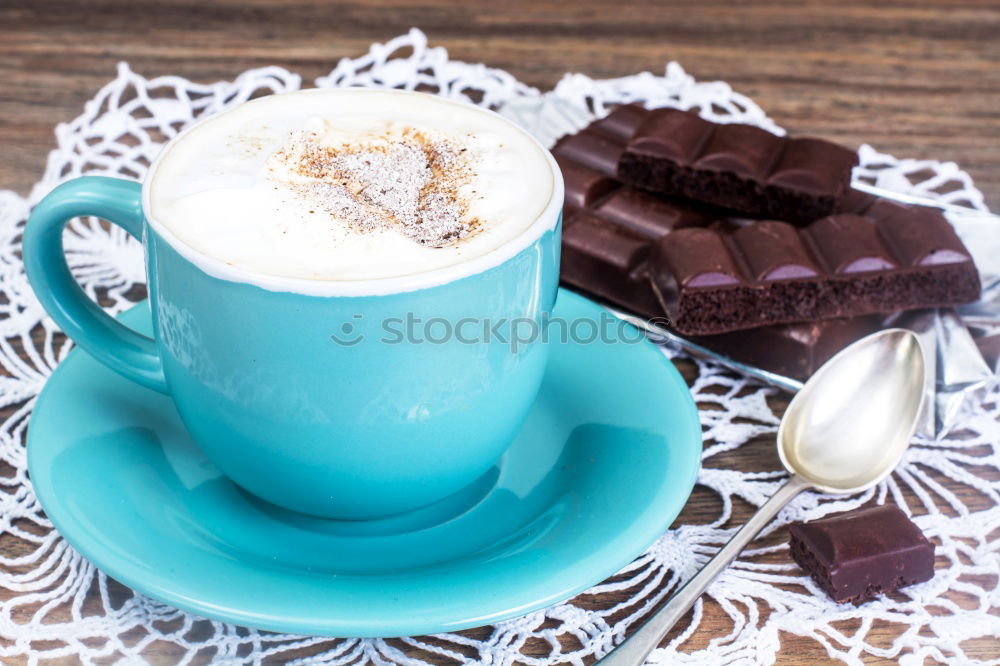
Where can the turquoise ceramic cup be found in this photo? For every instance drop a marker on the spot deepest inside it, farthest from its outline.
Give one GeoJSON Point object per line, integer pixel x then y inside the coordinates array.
{"type": "Point", "coordinates": [311, 394]}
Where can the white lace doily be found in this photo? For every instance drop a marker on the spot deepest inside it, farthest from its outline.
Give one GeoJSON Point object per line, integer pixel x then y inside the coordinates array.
{"type": "Point", "coordinates": [44, 613]}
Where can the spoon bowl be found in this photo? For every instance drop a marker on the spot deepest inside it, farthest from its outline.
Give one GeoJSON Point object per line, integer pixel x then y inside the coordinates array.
{"type": "Point", "coordinates": [847, 429]}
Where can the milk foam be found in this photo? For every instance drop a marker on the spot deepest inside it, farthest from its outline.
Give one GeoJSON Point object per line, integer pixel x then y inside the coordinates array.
{"type": "Point", "coordinates": [217, 190]}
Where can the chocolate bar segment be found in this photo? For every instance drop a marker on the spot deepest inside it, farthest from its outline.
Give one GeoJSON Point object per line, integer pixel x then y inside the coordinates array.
{"type": "Point", "coordinates": [858, 555]}
{"type": "Point", "coordinates": [584, 186]}
{"type": "Point", "coordinates": [791, 350]}
{"type": "Point", "coordinates": [728, 277]}
{"type": "Point", "coordinates": [609, 263]}
{"type": "Point", "coordinates": [739, 167]}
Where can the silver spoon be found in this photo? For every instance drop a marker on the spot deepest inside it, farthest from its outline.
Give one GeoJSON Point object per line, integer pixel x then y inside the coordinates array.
{"type": "Point", "coordinates": [845, 431]}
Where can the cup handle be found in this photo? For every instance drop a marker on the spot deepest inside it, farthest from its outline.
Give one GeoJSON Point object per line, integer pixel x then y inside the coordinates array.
{"type": "Point", "coordinates": [127, 352]}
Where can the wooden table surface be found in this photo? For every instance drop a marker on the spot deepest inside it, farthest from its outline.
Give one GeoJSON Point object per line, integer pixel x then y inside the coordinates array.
{"type": "Point", "coordinates": [912, 79]}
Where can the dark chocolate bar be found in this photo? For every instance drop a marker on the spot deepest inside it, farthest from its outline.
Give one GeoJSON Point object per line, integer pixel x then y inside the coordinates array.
{"type": "Point", "coordinates": [857, 555]}
{"type": "Point", "coordinates": [791, 350]}
{"type": "Point", "coordinates": [732, 275]}
{"type": "Point", "coordinates": [741, 167]}
{"type": "Point", "coordinates": [607, 255]}
{"type": "Point", "coordinates": [605, 252]}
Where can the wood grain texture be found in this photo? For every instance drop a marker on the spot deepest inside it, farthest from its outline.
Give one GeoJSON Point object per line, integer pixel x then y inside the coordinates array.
{"type": "Point", "coordinates": [912, 79]}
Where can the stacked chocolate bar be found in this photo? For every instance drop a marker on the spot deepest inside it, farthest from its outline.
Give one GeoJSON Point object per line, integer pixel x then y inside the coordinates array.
{"type": "Point", "coordinates": [751, 244]}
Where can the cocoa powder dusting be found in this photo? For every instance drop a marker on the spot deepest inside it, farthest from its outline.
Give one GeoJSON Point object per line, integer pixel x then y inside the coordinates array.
{"type": "Point", "coordinates": [405, 181]}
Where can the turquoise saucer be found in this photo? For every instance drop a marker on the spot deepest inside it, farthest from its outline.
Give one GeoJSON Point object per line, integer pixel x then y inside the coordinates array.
{"type": "Point", "coordinates": [603, 465]}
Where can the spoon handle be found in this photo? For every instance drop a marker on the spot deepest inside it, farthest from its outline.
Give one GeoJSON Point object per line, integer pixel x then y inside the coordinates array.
{"type": "Point", "coordinates": [634, 649]}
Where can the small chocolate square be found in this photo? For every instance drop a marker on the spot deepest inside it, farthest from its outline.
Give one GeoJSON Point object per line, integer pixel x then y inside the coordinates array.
{"type": "Point", "coordinates": [858, 555]}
